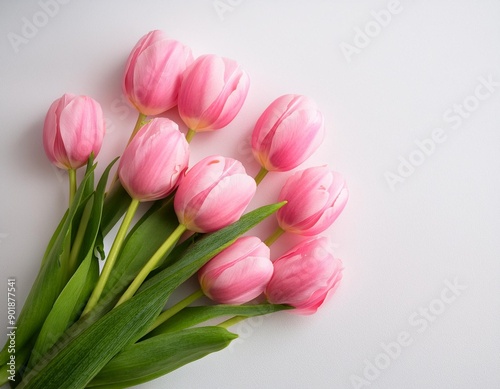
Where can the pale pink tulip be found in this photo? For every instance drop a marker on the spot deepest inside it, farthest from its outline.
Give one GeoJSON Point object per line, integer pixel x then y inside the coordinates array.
{"type": "Point", "coordinates": [153, 73]}
{"type": "Point", "coordinates": [213, 194]}
{"type": "Point", "coordinates": [305, 276]}
{"type": "Point", "coordinates": [212, 93]}
{"type": "Point", "coordinates": [238, 274]}
{"type": "Point", "coordinates": [73, 129]}
{"type": "Point", "coordinates": [154, 160]}
{"type": "Point", "coordinates": [315, 198]}
{"type": "Point", "coordinates": [287, 133]}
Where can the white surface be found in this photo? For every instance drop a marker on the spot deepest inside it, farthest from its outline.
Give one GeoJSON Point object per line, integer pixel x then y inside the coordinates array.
{"type": "Point", "coordinates": [401, 248]}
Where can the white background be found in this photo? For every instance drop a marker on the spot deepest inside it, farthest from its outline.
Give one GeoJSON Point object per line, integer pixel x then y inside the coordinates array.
{"type": "Point", "coordinates": [401, 245]}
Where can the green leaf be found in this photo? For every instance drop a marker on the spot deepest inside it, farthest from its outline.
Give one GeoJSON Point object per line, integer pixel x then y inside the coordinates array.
{"type": "Point", "coordinates": [99, 246]}
{"type": "Point", "coordinates": [92, 233]}
{"type": "Point", "coordinates": [87, 348]}
{"type": "Point", "coordinates": [141, 243]}
{"type": "Point", "coordinates": [73, 297]}
{"type": "Point", "coordinates": [115, 205]}
{"type": "Point", "coordinates": [85, 194]}
{"type": "Point", "coordinates": [50, 280]}
{"type": "Point", "coordinates": [177, 252]}
{"type": "Point", "coordinates": [191, 316]}
{"type": "Point", "coordinates": [53, 239]}
{"type": "Point", "coordinates": [88, 185]}
{"type": "Point", "coordinates": [67, 307]}
{"type": "Point", "coordinates": [157, 356]}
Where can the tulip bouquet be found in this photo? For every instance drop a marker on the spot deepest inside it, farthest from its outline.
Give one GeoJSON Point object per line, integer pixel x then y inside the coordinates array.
{"type": "Point", "coordinates": [86, 327]}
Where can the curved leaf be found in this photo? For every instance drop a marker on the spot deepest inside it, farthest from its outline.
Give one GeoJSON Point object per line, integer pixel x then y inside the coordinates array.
{"type": "Point", "coordinates": [67, 307]}
{"type": "Point", "coordinates": [85, 350]}
{"type": "Point", "coordinates": [50, 280]}
{"type": "Point", "coordinates": [191, 316]}
{"type": "Point", "coordinates": [115, 205]}
{"type": "Point", "coordinates": [141, 243]}
{"type": "Point", "coordinates": [157, 356]}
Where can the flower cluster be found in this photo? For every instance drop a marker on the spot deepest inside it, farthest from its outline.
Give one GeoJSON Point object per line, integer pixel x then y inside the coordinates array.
{"type": "Point", "coordinates": [194, 225]}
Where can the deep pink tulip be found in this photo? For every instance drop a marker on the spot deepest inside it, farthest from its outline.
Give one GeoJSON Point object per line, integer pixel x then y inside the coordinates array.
{"type": "Point", "coordinates": [287, 133]}
{"type": "Point", "coordinates": [305, 276]}
{"type": "Point", "coordinates": [238, 274]}
{"type": "Point", "coordinates": [153, 73]}
{"type": "Point", "coordinates": [212, 93]}
{"type": "Point", "coordinates": [315, 198]}
{"type": "Point", "coordinates": [73, 129]}
{"type": "Point", "coordinates": [213, 194]}
{"type": "Point", "coordinates": [154, 160]}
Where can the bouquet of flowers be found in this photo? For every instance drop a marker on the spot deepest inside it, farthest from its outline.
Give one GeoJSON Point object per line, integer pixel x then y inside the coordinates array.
{"type": "Point", "coordinates": [86, 327]}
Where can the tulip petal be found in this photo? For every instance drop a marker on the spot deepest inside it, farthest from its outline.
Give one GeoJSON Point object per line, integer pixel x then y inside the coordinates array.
{"type": "Point", "coordinates": [287, 133]}
{"type": "Point", "coordinates": [304, 276]}
{"type": "Point", "coordinates": [157, 76]}
{"type": "Point", "coordinates": [201, 86]}
{"type": "Point", "coordinates": [298, 136]}
{"type": "Point", "coordinates": [239, 273]}
{"type": "Point", "coordinates": [153, 73]}
{"type": "Point", "coordinates": [153, 162]}
{"type": "Point", "coordinates": [315, 226]}
{"type": "Point", "coordinates": [244, 281]}
{"type": "Point", "coordinates": [212, 92]}
{"type": "Point", "coordinates": [145, 41]}
{"type": "Point", "coordinates": [230, 99]}
{"type": "Point", "coordinates": [316, 196]}
{"type": "Point", "coordinates": [219, 209]}
{"type": "Point", "coordinates": [52, 141]}
{"type": "Point", "coordinates": [307, 195]}
{"type": "Point", "coordinates": [81, 128]}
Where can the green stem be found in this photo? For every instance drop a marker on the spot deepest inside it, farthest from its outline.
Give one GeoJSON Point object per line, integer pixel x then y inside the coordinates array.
{"type": "Point", "coordinates": [77, 244]}
{"type": "Point", "coordinates": [152, 263]}
{"type": "Point", "coordinates": [168, 313]}
{"type": "Point", "coordinates": [72, 184]}
{"type": "Point", "coordinates": [231, 322]}
{"type": "Point", "coordinates": [113, 254]}
{"type": "Point", "coordinates": [141, 120]}
{"type": "Point", "coordinates": [190, 135]}
{"type": "Point", "coordinates": [260, 175]}
{"type": "Point", "coordinates": [274, 236]}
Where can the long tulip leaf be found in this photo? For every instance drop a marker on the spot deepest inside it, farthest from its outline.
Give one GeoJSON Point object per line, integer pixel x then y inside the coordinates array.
{"type": "Point", "coordinates": [73, 297]}
{"type": "Point", "coordinates": [85, 350]}
{"type": "Point", "coordinates": [191, 316]}
{"type": "Point", "coordinates": [50, 280]}
{"type": "Point", "coordinates": [152, 358]}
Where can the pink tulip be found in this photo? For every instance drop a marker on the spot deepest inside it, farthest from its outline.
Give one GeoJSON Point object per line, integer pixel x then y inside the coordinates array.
{"type": "Point", "coordinates": [287, 133]}
{"type": "Point", "coordinates": [305, 276]}
{"type": "Point", "coordinates": [315, 198]}
{"type": "Point", "coordinates": [213, 194]}
{"type": "Point", "coordinates": [73, 129]}
{"type": "Point", "coordinates": [212, 93]}
{"type": "Point", "coordinates": [154, 71]}
{"type": "Point", "coordinates": [238, 274]}
{"type": "Point", "coordinates": [154, 160]}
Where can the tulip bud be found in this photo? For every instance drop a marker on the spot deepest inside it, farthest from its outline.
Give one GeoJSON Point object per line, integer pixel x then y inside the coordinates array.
{"type": "Point", "coordinates": [304, 276]}
{"type": "Point", "coordinates": [154, 160]}
{"type": "Point", "coordinates": [73, 129]}
{"type": "Point", "coordinates": [154, 71]}
{"type": "Point", "coordinates": [238, 274]}
{"type": "Point", "coordinates": [315, 198]}
{"type": "Point", "coordinates": [287, 133]}
{"type": "Point", "coordinates": [212, 93]}
{"type": "Point", "coordinates": [213, 194]}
